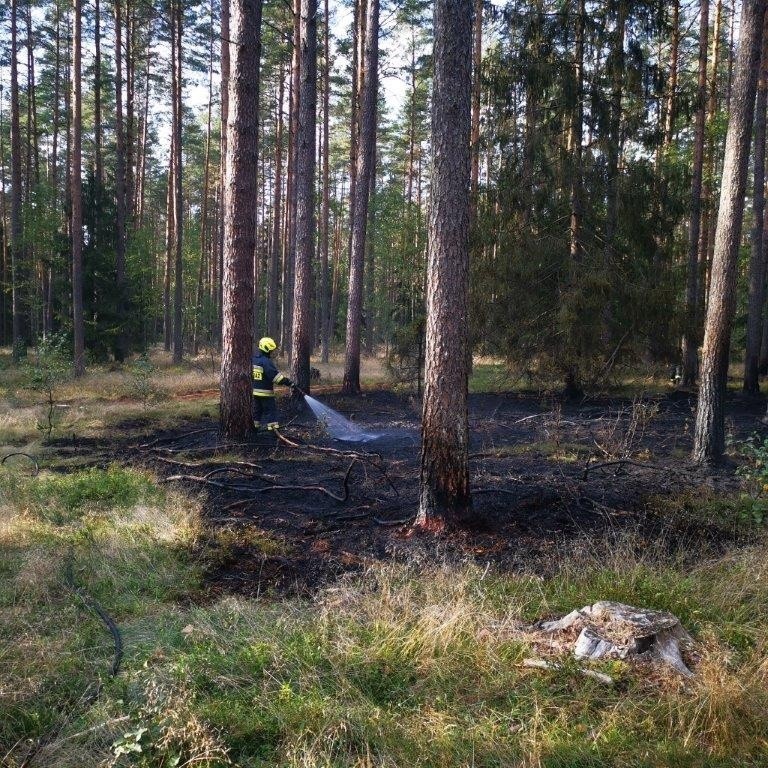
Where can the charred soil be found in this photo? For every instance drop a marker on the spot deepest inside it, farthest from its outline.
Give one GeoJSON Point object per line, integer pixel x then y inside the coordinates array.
{"type": "Point", "coordinates": [295, 513]}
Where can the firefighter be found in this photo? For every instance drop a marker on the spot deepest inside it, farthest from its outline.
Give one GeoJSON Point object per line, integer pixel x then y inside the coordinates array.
{"type": "Point", "coordinates": [265, 376]}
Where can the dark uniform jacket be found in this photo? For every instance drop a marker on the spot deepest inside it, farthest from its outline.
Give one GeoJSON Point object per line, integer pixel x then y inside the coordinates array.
{"type": "Point", "coordinates": [265, 376]}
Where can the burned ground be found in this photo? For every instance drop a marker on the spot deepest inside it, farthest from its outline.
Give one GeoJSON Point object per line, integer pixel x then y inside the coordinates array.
{"type": "Point", "coordinates": [288, 516]}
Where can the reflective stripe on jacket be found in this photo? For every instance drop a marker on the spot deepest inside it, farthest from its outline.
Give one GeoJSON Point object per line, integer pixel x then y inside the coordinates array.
{"type": "Point", "coordinates": [265, 376]}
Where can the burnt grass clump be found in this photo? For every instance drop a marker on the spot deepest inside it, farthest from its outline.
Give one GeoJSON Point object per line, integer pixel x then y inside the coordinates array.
{"type": "Point", "coordinates": [287, 516]}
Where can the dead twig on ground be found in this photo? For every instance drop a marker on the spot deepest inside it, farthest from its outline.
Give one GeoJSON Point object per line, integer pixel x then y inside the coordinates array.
{"type": "Point", "coordinates": [269, 488]}
{"type": "Point", "coordinates": [173, 438]}
{"type": "Point", "coordinates": [198, 464]}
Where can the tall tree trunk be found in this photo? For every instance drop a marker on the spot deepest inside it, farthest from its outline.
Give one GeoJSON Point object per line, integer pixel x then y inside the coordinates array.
{"type": "Point", "coordinates": [120, 191]}
{"type": "Point", "coordinates": [273, 317]}
{"type": "Point", "coordinates": [711, 150]}
{"type": "Point", "coordinates": [18, 266]}
{"type": "Point", "coordinates": [365, 161]}
{"type": "Point", "coordinates": [170, 215]}
{"type": "Point", "coordinates": [325, 317]}
{"type": "Point", "coordinates": [370, 263]}
{"type": "Point", "coordinates": [178, 203]}
{"type": "Point", "coordinates": [477, 53]}
{"type": "Point", "coordinates": [444, 495]}
{"type": "Point", "coordinates": [204, 205]}
{"type": "Point", "coordinates": [709, 439]}
{"type": "Point", "coordinates": [54, 173]}
{"type": "Point", "coordinates": [217, 282]}
{"type": "Point", "coordinates": [301, 340]}
{"type": "Point", "coordinates": [78, 324]}
{"type": "Point", "coordinates": [575, 136]}
{"type": "Point", "coordinates": [239, 211]}
{"type": "Point", "coordinates": [690, 336]}
{"type": "Point", "coordinates": [291, 201]}
{"type": "Point", "coordinates": [33, 148]}
{"type": "Point", "coordinates": [616, 68]}
{"type": "Point", "coordinates": [141, 191]}
{"type": "Point", "coordinates": [97, 127]}
{"type": "Point", "coordinates": [757, 257]}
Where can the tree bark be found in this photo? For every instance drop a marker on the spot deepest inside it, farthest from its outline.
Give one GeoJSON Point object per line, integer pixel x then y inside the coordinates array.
{"type": "Point", "coordinates": [444, 495]}
{"type": "Point", "coordinates": [709, 439]}
{"type": "Point", "coordinates": [301, 339]}
{"type": "Point", "coordinates": [757, 256]}
{"type": "Point", "coordinates": [78, 325]}
{"type": "Point", "coordinates": [690, 340]}
{"type": "Point", "coordinates": [239, 210]}
{"type": "Point", "coordinates": [365, 160]}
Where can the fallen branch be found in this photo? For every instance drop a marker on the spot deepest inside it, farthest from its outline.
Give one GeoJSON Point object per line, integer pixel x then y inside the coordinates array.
{"type": "Point", "coordinates": [198, 464]}
{"type": "Point", "coordinates": [541, 664]}
{"type": "Point", "coordinates": [401, 521]}
{"type": "Point", "coordinates": [245, 489]}
{"type": "Point", "coordinates": [374, 458]}
{"type": "Point", "coordinates": [174, 438]}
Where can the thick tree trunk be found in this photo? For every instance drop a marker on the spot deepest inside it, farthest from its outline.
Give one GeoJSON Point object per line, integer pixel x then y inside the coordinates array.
{"type": "Point", "coordinates": [757, 257]}
{"type": "Point", "coordinates": [78, 325]}
{"type": "Point", "coordinates": [178, 275]}
{"type": "Point", "coordinates": [444, 496]}
{"type": "Point", "coordinates": [709, 441]}
{"type": "Point", "coordinates": [20, 328]}
{"type": "Point", "coordinates": [365, 161]}
{"type": "Point", "coordinates": [690, 341]}
{"type": "Point", "coordinates": [239, 211]}
{"type": "Point", "coordinates": [301, 339]}
{"type": "Point", "coordinates": [273, 293]}
{"type": "Point", "coordinates": [325, 317]}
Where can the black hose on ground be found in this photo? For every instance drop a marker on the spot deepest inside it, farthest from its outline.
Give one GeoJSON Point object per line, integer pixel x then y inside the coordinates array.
{"type": "Point", "coordinates": [93, 604]}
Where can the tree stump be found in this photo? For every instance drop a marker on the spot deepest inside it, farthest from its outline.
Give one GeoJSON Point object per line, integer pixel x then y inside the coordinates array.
{"type": "Point", "coordinates": [615, 630]}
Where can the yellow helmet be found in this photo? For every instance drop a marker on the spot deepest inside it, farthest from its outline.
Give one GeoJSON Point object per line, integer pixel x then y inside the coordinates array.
{"type": "Point", "coordinates": [267, 344]}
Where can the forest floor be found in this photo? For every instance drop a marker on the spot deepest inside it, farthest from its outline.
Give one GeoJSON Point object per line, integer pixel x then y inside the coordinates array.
{"type": "Point", "coordinates": [275, 610]}
{"type": "Point", "coordinates": [543, 474]}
